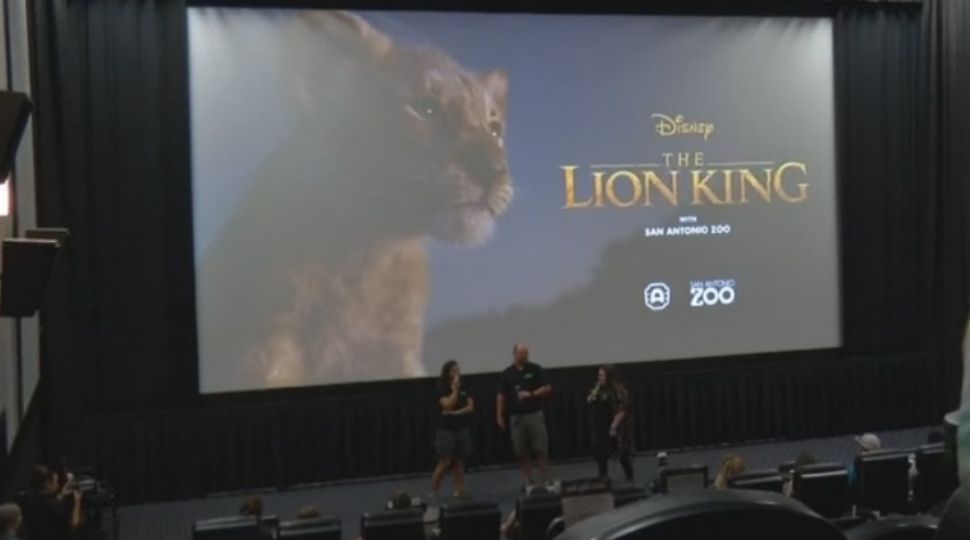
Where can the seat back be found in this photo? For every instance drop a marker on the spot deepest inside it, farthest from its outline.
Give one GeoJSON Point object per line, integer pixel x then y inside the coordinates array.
{"type": "Point", "coordinates": [470, 520]}
{"type": "Point", "coordinates": [895, 528]}
{"type": "Point", "coordinates": [762, 480]}
{"type": "Point", "coordinates": [883, 481]}
{"type": "Point", "coordinates": [624, 494]}
{"type": "Point", "coordinates": [227, 528]}
{"type": "Point", "coordinates": [393, 525]}
{"type": "Point", "coordinates": [750, 515]}
{"type": "Point", "coordinates": [535, 513]}
{"type": "Point", "coordinates": [933, 484]}
{"type": "Point", "coordinates": [681, 479]}
{"type": "Point", "coordinates": [324, 528]}
{"type": "Point", "coordinates": [824, 491]}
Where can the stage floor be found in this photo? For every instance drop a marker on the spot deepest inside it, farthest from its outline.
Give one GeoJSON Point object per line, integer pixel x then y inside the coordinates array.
{"type": "Point", "coordinates": [173, 521]}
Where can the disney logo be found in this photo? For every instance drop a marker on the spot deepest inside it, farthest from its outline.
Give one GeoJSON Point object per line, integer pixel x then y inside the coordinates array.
{"type": "Point", "coordinates": [678, 125]}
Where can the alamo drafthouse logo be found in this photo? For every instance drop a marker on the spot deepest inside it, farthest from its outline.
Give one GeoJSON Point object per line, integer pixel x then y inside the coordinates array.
{"type": "Point", "coordinates": [656, 296]}
{"type": "Point", "coordinates": [674, 177]}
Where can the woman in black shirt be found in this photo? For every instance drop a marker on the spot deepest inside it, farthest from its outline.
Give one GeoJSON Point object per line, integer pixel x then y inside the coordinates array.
{"type": "Point", "coordinates": [452, 440]}
{"type": "Point", "coordinates": [611, 421]}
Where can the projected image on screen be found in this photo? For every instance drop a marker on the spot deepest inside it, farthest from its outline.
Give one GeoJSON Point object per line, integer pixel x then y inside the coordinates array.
{"type": "Point", "coordinates": [375, 193]}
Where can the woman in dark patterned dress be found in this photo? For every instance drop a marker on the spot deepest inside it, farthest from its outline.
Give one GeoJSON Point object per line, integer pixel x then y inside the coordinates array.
{"type": "Point", "coordinates": [611, 421]}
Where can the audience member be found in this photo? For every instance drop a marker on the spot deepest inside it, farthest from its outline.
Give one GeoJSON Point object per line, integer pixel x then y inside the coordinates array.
{"type": "Point", "coordinates": [510, 527]}
{"type": "Point", "coordinates": [801, 460]}
{"type": "Point", "coordinates": [50, 513]}
{"type": "Point", "coordinates": [661, 467]}
{"type": "Point", "coordinates": [731, 466]}
{"type": "Point", "coordinates": [253, 506]}
{"type": "Point", "coordinates": [10, 520]}
{"type": "Point", "coordinates": [401, 500]}
{"type": "Point", "coordinates": [308, 512]}
{"type": "Point", "coordinates": [867, 443]}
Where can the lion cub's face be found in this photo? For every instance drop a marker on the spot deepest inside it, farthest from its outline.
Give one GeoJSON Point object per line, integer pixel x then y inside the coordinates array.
{"type": "Point", "coordinates": [421, 138]}
{"type": "Point", "coordinates": [453, 126]}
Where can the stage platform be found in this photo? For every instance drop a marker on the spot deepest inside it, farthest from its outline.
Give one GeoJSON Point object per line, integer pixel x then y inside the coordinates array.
{"type": "Point", "coordinates": [173, 521]}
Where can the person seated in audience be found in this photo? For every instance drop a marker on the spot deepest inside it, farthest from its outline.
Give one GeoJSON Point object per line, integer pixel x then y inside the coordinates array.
{"type": "Point", "coordinates": [510, 527]}
{"type": "Point", "coordinates": [661, 467]}
{"type": "Point", "coordinates": [801, 460]}
{"type": "Point", "coordinates": [253, 507]}
{"type": "Point", "coordinates": [10, 519]}
{"type": "Point", "coordinates": [401, 500]}
{"type": "Point", "coordinates": [731, 466]}
{"type": "Point", "coordinates": [308, 512]}
{"type": "Point", "coordinates": [51, 513]}
{"type": "Point", "coordinates": [867, 443]}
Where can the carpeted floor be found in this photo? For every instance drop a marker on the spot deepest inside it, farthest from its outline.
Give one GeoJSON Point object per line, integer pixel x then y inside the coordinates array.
{"type": "Point", "coordinates": [173, 521]}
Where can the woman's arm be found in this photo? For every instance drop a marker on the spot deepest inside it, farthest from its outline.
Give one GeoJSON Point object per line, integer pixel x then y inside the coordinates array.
{"type": "Point", "coordinates": [623, 403]}
{"type": "Point", "coordinates": [448, 402]}
{"type": "Point", "coordinates": [467, 409]}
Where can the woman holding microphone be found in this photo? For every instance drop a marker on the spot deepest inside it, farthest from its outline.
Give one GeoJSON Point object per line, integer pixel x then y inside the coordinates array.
{"type": "Point", "coordinates": [452, 440]}
{"type": "Point", "coordinates": [611, 421]}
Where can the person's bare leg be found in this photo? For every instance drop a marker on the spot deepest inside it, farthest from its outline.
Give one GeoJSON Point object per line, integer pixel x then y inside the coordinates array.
{"type": "Point", "coordinates": [439, 474]}
{"type": "Point", "coordinates": [526, 465]}
{"type": "Point", "coordinates": [458, 472]}
{"type": "Point", "coordinates": [542, 460]}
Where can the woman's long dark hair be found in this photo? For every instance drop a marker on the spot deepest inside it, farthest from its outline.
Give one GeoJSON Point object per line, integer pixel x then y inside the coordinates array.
{"type": "Point", "coordinates": [614, 385]}
{"type": "Point", "coordinates": [444, 380]}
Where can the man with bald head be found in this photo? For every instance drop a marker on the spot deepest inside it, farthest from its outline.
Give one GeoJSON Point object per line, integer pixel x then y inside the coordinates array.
{"type": "Point", "coordinates": [520, 392]}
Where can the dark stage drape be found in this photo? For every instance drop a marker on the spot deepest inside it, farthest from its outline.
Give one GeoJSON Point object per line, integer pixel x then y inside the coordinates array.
{"type": "Point", "coordinates": [119, 371]}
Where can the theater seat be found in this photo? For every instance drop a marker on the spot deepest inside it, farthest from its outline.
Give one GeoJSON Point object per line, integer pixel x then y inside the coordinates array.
{"type": "Point", "coordinates": [955, 520]}
{"type": "Point", "coordinates": [933, 484]}
{"type": "Point", "coordinates": [226, 528]}
{"type": "Point", "coordinates": [749, 515]}
{"type": "Point", "coordinates": [393, 525]}
{"type": "Point", "coordinates": [824, 490]}
{"type": "Point", "coordinates": [680, 479]}
{"type": "Point", "coordinates": [535, 513]}
{"type": "Point", "coordinates": [624, 494]}
{"type": "Point", "coordinates": [884, 481]}
{"type": "Point", "coordinates": [848, 522]}
{"type": "Point", "coordinates": [895, 528]}
{"type": "Point", "coordinates": [470, 520]}
{"type": "Point", "coordinates": [325, 528]}
{"type": "Point", "coordinates": [762, 480]}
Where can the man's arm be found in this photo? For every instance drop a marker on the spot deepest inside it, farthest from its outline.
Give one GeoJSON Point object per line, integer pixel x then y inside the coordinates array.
{"type": "Point", "coordinates": [542, 391]}
{"type": "Point", "coordinates": [500, 410]}
{"type": "Point", "coordinates": [544, 388]}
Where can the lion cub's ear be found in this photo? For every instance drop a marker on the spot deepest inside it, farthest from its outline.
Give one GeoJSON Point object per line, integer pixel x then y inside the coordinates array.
{"type": "Point", "coordinates": [496, 84]}
{"type": "Point", "coordinates": [353, 32]}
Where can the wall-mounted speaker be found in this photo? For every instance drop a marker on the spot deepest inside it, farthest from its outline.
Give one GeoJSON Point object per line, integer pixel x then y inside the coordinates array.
{"type": "Point", "coordinates": [14, 111]}
{"type": "Point", "coordinates": [26, 268]}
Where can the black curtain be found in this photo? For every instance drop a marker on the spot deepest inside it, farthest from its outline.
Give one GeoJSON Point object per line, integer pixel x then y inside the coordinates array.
{"type": "Point", "coordinates": [947, 24]}
{"type": "Point", "coordinates": [119, 369]}
{"type": "Point", "coordinates": [110, 89]}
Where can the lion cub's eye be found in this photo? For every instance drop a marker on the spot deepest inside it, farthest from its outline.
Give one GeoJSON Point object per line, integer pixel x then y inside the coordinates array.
{"type": "Point", "coordinates": [424, 106]}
